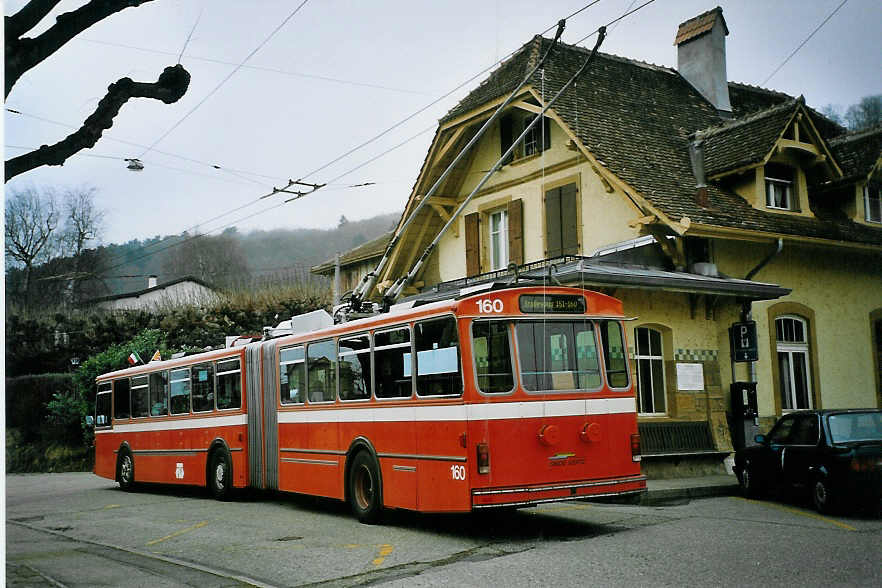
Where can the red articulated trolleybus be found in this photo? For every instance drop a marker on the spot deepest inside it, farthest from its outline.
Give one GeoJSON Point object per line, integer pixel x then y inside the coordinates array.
{"type": "Point", "coordinates": [491, 396]}
{"type": "Point", "coordinates": [501, 397]}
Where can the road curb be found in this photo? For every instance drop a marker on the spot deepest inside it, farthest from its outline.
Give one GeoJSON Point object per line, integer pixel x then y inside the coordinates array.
{"type": "Point", "coordinates": [654, 496]}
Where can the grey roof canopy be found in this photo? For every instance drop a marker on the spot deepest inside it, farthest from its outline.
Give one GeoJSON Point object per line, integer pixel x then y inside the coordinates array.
{"type": "Point", "coordinates": [592, 273]}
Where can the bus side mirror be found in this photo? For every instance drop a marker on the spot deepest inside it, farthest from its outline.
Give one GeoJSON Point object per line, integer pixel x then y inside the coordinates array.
{"type": "Point", "coordinates": [90, 420]}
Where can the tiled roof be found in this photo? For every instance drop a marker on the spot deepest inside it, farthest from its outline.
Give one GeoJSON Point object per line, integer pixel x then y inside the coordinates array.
{"type": "Point", "coordinates": [857, 152]}
{"type": "Point", "coordinates": [636, 120]}
{"type": "Point", "coordinates": [699, 25]}
{"type": "Point", "coordinates": [372, 249]}
{"type": "Point", "coordinates": [744, 141]}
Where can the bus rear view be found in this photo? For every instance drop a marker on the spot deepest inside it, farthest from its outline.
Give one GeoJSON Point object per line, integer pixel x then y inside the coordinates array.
{"type": "Point", "coordinates": [552, 415]}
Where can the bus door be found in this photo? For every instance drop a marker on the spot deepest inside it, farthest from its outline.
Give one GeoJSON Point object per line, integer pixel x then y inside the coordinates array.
{"type": "Point", "coordinates": [441, 416]}
{"type": "Point", "coordinates": [105, 464]}
{"type": "Point", "coordinates": [393, 429]}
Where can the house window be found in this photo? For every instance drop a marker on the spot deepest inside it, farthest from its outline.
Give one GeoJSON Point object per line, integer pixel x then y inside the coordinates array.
{"type": "Point", "coordinates": [499, 239]}
{"type": "Point", "coordinates": [536, 140]}
{"type": "Point", "coordinates": [780, 193]}
{"type": "Point", "coordinates": [873, 203]}
{"type": "Point", "coordinates": [650, 371]}
{"type": "Point", "coordinates": [794, 375]}
{"type": "Point", "coordinates": [561, 221]}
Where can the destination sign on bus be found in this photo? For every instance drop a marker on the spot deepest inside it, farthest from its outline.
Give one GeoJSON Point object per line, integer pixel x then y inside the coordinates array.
{"type": "Point", "coordinates": [552, 303]}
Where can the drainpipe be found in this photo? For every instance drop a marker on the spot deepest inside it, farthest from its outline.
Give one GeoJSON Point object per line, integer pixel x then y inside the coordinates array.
{"type": "Point", "coordinates": [778, 247]}
{"type": "Point", "coordinates": [746, 312]}
{"type": "Point", "coordinates": [696, 158]}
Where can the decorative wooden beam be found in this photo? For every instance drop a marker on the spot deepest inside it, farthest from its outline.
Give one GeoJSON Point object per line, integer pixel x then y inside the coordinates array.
{"type": "Point", "coordinates": [527, 106]}
{"type": "Point", "coordinates": [643, 220]}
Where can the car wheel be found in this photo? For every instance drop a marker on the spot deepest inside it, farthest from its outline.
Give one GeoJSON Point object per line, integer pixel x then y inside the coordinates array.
{"type": "Point", "coordinates": [220, 473]}
{"type": "Point", "coordinates": [365, 495]}
{"type": "Point", "coordinates": [822, 496]}
{"type": "Point", "coordinates": [125, 470]}
{"type": "Point", "coordinates": [748, 481]}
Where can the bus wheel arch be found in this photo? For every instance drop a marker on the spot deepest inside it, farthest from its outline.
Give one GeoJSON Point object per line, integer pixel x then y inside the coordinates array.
{"type": "Point", "coordinates": [363, 482]}
{"type": "Point", "coordinates": [219, 470]}
{"type": "Point", "coordinates": [125, 467]}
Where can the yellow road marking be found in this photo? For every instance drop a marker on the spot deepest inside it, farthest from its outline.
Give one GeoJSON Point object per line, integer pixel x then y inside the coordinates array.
{"type": "Point", "coordinates": [810, 515]}
{"type": "Point", "coordinates": [111, 506]}
{"type": "Point", "coordinates": [385, 551]}
{"type": "Point", "coordinates": [176, 533]}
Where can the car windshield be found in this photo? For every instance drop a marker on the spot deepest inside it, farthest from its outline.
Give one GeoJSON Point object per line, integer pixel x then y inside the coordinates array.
{"type": "Point", "coordinates": [855, 426]}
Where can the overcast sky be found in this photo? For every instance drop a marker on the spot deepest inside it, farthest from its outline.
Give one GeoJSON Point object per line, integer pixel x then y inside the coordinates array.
{"type": "Point", "coordinates": [340, 72]}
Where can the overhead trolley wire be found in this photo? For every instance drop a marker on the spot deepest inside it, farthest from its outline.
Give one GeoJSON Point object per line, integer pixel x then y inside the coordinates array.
{"type": "Point", "coordinates": [226, 78]}
{"type": "Point", "coordinates": [261, 68]}
{"type": "Point", "coordinates": [161, 152]}
{"type": "Point", "coordinates": [801, 45]}
{"type": "Point", "coordinates": [365, 143]}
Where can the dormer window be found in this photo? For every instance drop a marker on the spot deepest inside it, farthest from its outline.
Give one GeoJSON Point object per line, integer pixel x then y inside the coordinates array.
{"type": "Point", "coordinates": [780, 187]}
{"type": "Point", "coordinates": [537, 140]}
{"type": "Point", "coordinates": [873, 203]}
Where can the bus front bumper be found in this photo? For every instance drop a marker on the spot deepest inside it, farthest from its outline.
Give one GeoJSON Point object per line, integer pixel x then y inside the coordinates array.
{"type": "Point", "coordinates": [529, 495]}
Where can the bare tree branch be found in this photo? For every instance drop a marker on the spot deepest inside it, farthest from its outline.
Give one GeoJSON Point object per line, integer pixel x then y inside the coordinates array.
{"type": "Point", "coordinates": [23, 53]}
{"type": "Point", "coordinates": [28, 17]}
{"type": "Point", "coordinates": [170, 87]}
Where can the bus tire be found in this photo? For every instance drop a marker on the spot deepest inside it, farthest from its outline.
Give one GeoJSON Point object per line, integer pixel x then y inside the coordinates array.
{"type": "Point", "coordinates": [125, 470]}
{"type": "Point", "coordinates": [220, 475]}
{"type": "Point", "coordinates": [365, 490]}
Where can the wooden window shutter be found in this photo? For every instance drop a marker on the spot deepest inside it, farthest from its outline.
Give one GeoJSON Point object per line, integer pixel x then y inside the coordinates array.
{"type": "Point", "coordinates": [472, 245]}
{"type": "Point", "coordinates": [569, 226]}
{"type": "Point", "coordinates": [553, 247]}
{"type": "Point", "coordinates": [516, 231]}
{"type": "Point", "coordinates": [506, 131]}
{"type": "Point", "coordinates": [546, 124]}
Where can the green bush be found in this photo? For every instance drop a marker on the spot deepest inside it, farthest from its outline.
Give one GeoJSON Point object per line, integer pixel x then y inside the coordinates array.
{"type": "Point", "coordinates": [27, 398]}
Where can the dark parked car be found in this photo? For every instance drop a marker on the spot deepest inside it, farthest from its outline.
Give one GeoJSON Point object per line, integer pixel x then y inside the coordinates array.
{"type": "Point", "coordinates": [834, 454]}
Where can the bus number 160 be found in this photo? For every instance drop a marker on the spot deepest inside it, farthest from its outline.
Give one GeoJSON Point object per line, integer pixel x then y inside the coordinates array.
{"type": "Point", "coordinates": [457, 472]}
{"type": "Point", "coordinates": [486, 305]}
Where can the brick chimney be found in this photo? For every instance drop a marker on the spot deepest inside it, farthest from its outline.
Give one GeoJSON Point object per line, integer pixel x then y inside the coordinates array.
{"type": "Point", "coordinates": [701, 56]}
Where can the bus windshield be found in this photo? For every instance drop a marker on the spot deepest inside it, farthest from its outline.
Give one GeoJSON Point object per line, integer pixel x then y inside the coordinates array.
{"type": "Point", "coordinates": [558, 355]}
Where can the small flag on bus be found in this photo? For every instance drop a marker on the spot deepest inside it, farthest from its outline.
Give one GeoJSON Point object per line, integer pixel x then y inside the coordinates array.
{"type": "Point", "coordinates": [134, 358]}
{"type": "Point", "coordinates": [156, 356]}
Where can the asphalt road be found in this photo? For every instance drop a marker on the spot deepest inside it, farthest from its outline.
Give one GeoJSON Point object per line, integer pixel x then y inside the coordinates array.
{"type": "Point", "coordinates": [80, 530]}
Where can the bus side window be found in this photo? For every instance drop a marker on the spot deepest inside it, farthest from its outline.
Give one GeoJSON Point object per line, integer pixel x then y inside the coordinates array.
{"type": "Point", "coordinates": [437, 348]}
{"type": "Point", "coordinates": [229, 384]}
{"type": "Point", "coordinates": [321, 369]}
{"type": "Point", "coordinates": [614, 354]}
{"type": "Point", "coordinates": [392, 364]}
{"type": "Point", "coordinates": [179, 391]}
{"type": "Point", "coordinates": [102, 405]}
{"type": "Point", "coordinates": [140, 402]}
{"type": "Point", "coordinates": [159, 393]}
{"type": "Point", "coordinates": [121, 399]}
{"type": "Point", "coordinates": [202, 386]}
{"type": "Point", "coordinates": [354, 360]}
{"type": "Point", "coordinates": [292, 375]}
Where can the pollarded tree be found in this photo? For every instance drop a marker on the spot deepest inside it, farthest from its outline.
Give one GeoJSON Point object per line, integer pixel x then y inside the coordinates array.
{"type": "Point", "coordinates": [23, 53]}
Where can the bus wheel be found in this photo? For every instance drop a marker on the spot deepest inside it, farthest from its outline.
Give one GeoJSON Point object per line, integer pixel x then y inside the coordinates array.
{"type": "Point", "coordinates": [125, 470]}
{"type": "Point", "coordinates": [365, 496]}
{"type": "Point", "coordinates": [220, 474]}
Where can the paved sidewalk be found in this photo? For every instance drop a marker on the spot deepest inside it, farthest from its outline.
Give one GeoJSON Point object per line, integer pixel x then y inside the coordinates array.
{"type": "Point", "coordinates": [659, 491]}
